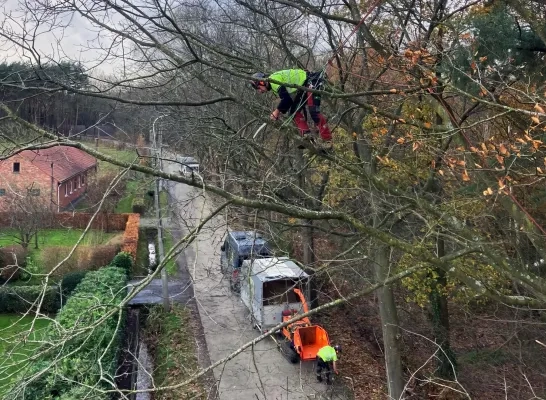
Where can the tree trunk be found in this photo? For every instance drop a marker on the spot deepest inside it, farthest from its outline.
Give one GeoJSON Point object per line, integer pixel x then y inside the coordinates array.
{"type": "Point", "coordinates": [389, 324]}
{"type": "Point", "coordinates": [36, 240]}
{"type": "Point", "coordinates": [446, 361]}
{"type": "Point", "coordinates": [308, 244]}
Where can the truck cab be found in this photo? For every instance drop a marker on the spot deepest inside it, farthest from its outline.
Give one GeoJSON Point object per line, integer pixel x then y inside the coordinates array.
{"type": "Point", "coordinates": [237, 247]}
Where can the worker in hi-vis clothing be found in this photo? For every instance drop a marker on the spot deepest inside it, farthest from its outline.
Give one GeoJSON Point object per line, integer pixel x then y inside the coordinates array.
{"type": "Point", "coordinates": [326, 360]}
{"type": "Point", "coordinates": [295, 101]}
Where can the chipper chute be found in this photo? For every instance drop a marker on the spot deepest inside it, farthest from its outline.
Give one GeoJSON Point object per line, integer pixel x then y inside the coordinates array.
{"type": "Point", "coordinates": [304, 338]}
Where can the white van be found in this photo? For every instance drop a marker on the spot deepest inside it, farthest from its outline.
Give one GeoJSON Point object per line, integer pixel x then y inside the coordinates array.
{"type": "Point", "coordinates": [188, 165]}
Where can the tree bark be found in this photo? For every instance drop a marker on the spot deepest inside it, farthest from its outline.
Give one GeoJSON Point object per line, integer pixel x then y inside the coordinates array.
{"type": "Point", "coordinates": [446, 361]}
{"type": "Point", "coordinates": [309, 258]}
{"type": "Point", "coordinates": [389, 324]}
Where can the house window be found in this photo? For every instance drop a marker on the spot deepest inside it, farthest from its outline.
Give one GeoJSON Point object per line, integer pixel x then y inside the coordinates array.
{"type": "Point", "coordinates": [65, 189]}
{"type": "Point", "coordinates": [16, 167]}
{"type": "Point", "coordinates": [75, 185]}
{"type": "Point", "coordinates": [33, 192]}
{"type": "Point", "coordinates": [2, 192]}
{"type": "Point", "coordinates": [79, 181]}
{"type": "Point", "coordinates": [83, 180]}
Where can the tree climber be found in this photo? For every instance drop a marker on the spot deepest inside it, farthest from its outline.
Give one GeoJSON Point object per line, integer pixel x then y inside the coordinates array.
{"type": "Point", "coordinates": [294, 100]}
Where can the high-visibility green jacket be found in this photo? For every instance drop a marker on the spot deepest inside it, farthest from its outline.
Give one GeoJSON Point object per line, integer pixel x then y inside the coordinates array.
{"type": "Point", "coordinates": [289, 76]}
{"type": "Point", "coordinates": [327, 354]}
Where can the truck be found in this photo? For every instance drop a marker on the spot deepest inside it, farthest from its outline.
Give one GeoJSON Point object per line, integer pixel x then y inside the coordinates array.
{"type": "Point", "coordinates": [237, 247]}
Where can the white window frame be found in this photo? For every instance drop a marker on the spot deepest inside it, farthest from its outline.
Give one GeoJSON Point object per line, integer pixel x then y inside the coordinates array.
{"type": "Point", "coordinates": [66, 190]}
{"type": "Point", "coordinates": [71, 186]}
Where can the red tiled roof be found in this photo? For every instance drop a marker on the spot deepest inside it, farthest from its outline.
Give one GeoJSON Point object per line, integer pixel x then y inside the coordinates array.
{"type": "Point", "coordinates": [67, 161]}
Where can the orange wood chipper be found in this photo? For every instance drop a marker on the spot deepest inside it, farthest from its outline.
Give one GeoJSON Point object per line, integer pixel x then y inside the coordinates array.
{"type": "Point", "coordinates": [303, 338]}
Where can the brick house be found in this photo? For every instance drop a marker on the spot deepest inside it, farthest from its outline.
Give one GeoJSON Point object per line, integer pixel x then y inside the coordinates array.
{"type": "Point", "coordinates": [58, 175]}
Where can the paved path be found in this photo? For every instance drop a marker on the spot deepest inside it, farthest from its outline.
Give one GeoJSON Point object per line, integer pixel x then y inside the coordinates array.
{"type": "Point", "coordinates": [179, 292]}
{"type": "Point", "coordinates": [258, 374]}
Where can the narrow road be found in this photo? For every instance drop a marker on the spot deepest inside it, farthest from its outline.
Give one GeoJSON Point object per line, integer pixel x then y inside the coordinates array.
{"type": "Point", "coordinates": [262, 373]}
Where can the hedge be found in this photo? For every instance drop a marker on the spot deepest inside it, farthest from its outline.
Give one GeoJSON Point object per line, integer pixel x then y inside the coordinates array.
{"type": "Point", "coordinates": [124, 261]}
{"type": "Point", "coordinates": [139, 205]}
{"type": "Point", "coordinates": [58, 374]}
{"type": "Point", "coordinates": [114, 222]}
{"type": "Point", "coordinates": [70, 282]}
{"type": "Point", "coordinates": [20, 299]}
{"type": "Point", "coordinates": [130, 236]}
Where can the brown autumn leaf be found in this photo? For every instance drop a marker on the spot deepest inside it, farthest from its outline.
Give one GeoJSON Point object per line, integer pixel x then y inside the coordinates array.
{"type": "Point", "coordinates": [539, 108]}
{"type": "Point", "coordinates": [535, 120]}
{"type": "Point", "coordinates": [499, 159]}
{"type": "Point", "coordinates": [441, 172]}
{"type": "Point", "coordinates": [465, 176]}
{"type": "Point", "coordinates": [488, 192]}
{"type": "Point", "coordinates": [401, 140]}
{"type": "Point", "coordinates": [539, 170]}
{"type": "Point", "coordinates": [501, 184]}
{"type": "Point", "coordinates": [503, 150]}
{"type": "Point", "coordinates": [427, 125]}
{"type": "Point", "coordinates": [393, 91]}
{"type": "Point", "coordinates": [415, 146]}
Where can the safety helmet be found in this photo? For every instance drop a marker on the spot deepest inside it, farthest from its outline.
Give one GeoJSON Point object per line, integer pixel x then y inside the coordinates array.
{"type": "Point", "coordinates": [337, 348]}
{"type": "Point", "coordinates": [258, 76]}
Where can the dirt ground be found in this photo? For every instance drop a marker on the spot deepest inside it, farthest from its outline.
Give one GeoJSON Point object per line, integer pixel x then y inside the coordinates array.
{"type": "Point", "coordinates": [496, 349]}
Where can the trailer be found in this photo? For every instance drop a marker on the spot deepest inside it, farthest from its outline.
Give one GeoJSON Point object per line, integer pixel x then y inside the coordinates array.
{"type": "Point", "coordinates": [274, 290]}
{"type": "Point", "coordinates": [267, 288]}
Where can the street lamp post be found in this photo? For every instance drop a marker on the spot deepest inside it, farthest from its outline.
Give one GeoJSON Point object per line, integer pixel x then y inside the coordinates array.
{"type": "Point", "coordinates": [161, 255]}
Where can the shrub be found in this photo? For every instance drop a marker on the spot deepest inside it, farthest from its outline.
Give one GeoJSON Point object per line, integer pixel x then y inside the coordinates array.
{"type": "Point", "coordinates": [101, 255]}
{"type": "Point", "coordinates": [61, 373]}
{"type": "Point", "coordinates": [139, 205]}
{"type": "Point", "coordinates": [20, 299]}
{"type": "Point", "coordinates": [84, 258]}
{"type": "Point", "coordinates": [12, 258]}
{"type": "Point", "coordinates": [70, 281]}
{"type": "Point", "coordinates": [123, 260]}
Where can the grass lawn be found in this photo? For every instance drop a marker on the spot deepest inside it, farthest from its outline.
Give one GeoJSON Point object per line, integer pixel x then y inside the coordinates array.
{"type": "Point", "coordinates": [171, 339]}
{"type": "Point", "coordinates": [126, 155]}
{"type": "Point", "coordinates": [56, 237]}
{"type": "Point", "coordinates": [142, 261]}
{"type": "Point", "coordinates": [133, 188]}
{"type": "Point", "coordinates": [167, 245]}
{"type": "Point", "coordinates": [10, 354]}
{"type": "Point", "coordinates": [125, 205]}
